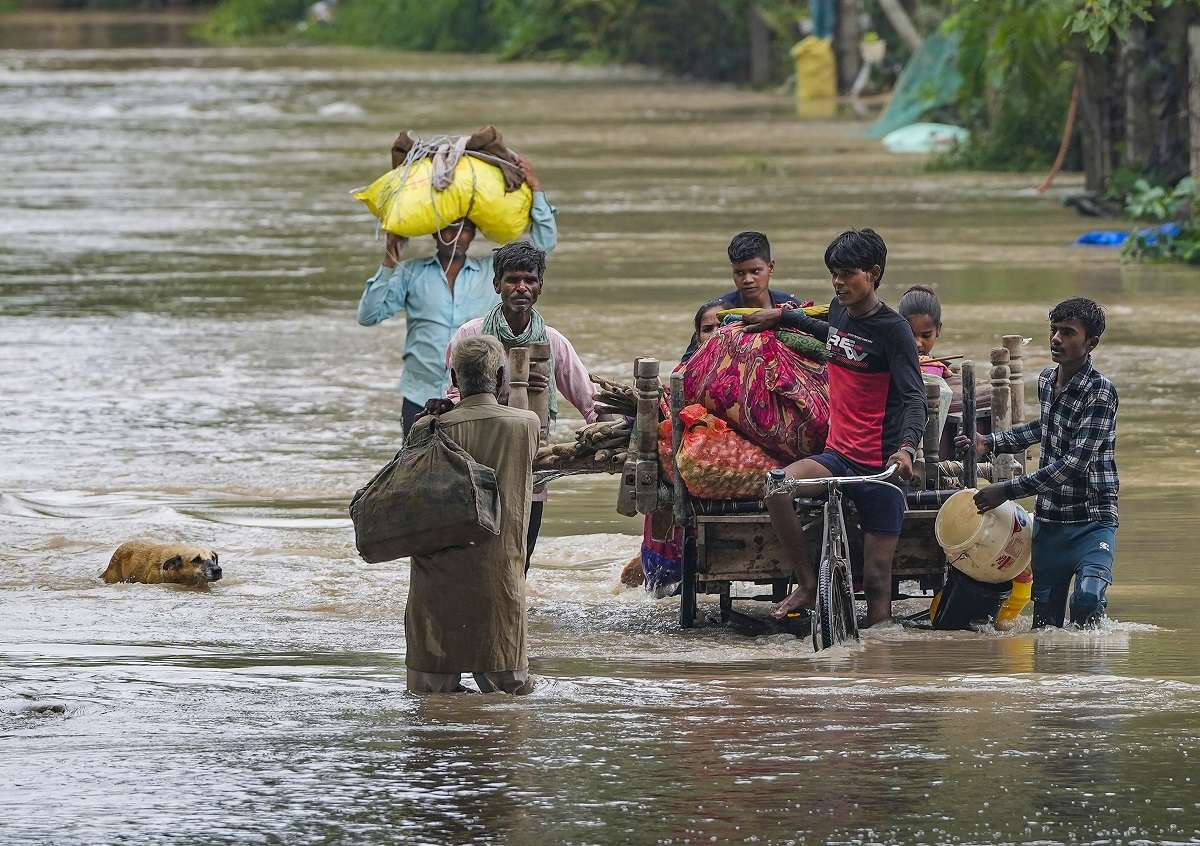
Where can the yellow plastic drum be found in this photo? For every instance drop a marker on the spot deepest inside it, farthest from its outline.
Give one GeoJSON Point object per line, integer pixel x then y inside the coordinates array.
{"type": "Point", "coordinates": [992, 547]}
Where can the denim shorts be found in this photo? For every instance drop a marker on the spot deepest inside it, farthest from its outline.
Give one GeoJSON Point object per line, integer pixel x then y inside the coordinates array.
{"type": "Point", "coordinates": [880, 507]}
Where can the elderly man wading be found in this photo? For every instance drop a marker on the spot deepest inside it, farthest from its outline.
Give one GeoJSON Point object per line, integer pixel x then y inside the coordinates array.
{"type": "Point", "coordinates": [466, 605]}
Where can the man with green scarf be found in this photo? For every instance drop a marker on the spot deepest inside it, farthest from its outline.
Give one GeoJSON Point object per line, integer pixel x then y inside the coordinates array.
{"type": "Point", "coordinates": [518, 269]}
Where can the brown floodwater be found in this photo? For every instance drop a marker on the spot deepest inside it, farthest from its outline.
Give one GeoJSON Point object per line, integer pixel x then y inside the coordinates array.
{"type": "Point", "coordinates": [180, 260]}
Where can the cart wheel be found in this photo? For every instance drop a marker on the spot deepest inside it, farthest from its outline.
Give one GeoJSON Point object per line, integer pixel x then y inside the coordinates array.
{"type": "Point", "coordinates": [834, 620]}
{"type": "Point", "coordinates": [687, 591]}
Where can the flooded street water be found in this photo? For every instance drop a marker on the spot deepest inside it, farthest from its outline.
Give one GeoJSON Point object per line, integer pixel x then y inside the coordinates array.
{"type": "Point", "coordinates": [180, 260]}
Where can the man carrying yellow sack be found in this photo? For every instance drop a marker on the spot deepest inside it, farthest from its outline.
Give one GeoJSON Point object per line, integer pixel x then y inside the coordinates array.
{"type": "Point", "coordinates": [439, 294]}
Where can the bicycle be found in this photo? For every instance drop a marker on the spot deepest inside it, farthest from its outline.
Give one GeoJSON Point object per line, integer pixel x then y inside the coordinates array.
{"type": "Point", "coordinates": [833, 620]}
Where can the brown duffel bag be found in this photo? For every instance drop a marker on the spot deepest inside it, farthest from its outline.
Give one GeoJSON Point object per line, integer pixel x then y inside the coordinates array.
{"type": "Point", "coordinates": [431, 496]}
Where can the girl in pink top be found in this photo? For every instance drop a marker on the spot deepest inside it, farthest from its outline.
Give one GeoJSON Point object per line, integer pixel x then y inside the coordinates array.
{"type": "Point", "coordinates": [920, 307]}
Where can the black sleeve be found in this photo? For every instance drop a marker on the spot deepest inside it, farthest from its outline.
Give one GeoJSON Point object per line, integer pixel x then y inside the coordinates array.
{"type": "Point", "coordinates": [901, 350]}
{"type": "Point", "coordinates": [795, 318]}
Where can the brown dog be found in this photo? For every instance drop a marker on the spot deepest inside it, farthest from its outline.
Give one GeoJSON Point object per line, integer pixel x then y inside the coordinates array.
{"type": "Point", "coordinates": [156, 563]}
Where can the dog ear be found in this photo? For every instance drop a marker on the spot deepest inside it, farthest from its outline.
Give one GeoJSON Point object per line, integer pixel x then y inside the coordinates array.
{"type": "Point", "coordinates": [173, 563]}
{"type": "Point", "coordinates": [214, 558]}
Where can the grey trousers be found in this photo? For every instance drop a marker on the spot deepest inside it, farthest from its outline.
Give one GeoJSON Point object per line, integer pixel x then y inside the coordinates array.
{"type": "Point", "coordinates": [516, 682]}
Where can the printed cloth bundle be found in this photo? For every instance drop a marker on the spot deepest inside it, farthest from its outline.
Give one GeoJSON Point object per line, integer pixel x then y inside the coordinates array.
{"type": "Point", "coordinates": [714, 461]}
{"type": "Point", "coordinates": [772, 395]}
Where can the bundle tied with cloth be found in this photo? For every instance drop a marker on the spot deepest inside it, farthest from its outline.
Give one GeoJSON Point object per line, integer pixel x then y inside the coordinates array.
{"type": "Point", "coordinates": [769, 387]}
{"type": "Point", "coordinates": [444, 178]}
{"type": "Point", "coordinates": [430, 497]}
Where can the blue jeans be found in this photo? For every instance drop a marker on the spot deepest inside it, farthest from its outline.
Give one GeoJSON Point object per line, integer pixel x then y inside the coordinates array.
{"type": "Point", "coordinates": [1062, 551]}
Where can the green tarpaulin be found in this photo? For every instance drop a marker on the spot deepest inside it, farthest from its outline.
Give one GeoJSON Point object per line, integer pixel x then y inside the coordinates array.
{"type": "Point", "coordinates": [929, 80]}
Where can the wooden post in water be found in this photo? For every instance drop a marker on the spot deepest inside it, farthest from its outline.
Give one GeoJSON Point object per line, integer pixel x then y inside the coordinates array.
{"type": "Point", "coordinates": [933, 438]}
{"type": "Point", "coordinates": [1002, 466]}
{"type": "Point", "coordinates": [627, 490]}
{"type": "Point", "coordinates": [645, 371]}
{"type": "Point", "coordinates": [970, 460]}
{"type": "Point", "coordinates": [539, 399]}
{"type": "Point", "coordinates": [1016, 382]}
{"type": "Point", "coordinates": [518, 377]}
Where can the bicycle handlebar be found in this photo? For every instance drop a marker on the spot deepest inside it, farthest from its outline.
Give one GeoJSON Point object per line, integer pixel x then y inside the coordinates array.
{"type": "Point", "coordinates": [778, 483]}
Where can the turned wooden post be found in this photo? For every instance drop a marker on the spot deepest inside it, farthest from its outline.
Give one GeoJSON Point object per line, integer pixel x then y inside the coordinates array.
{"type": "Point", "coordinates": [680, 504]}
{"type": "Point", "coordinates": [933, 438]}
{"type": "Point", "coordinates": [627, 490]}
{"type": "Point", "coordinates": [1001, 390]}
{"type": "Point", "coordinates": [970, 460]}
{"type": "Point", "coordinates": [627, 503]}
{"type": "Point", "coordinates": [1016, 382]}
{"type": "Point", "coordinates": [539, 399]}
{"type": "Point", "coordinates": [518, 377]}
{"type": "Point", "coordinates": [645, 371]}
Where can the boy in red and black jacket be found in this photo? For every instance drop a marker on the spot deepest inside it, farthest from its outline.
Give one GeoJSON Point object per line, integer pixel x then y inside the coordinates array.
{"type": "Point", "coordinates": [877, 411]}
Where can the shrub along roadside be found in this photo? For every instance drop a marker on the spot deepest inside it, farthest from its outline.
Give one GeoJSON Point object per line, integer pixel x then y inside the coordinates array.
{"type": "Point", "coordinates": [706, 39]}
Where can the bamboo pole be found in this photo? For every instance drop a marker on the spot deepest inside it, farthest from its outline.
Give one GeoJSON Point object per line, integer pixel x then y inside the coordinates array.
{"type": "Point", "coordinates": [970, 461]}
{"type": "Point", "coordinates": [1000, 414]}
{"type": "Point", "coordinates": [645, 371]}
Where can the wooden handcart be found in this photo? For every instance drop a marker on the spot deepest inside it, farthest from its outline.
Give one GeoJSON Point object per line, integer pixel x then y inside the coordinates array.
{"type": "Point", "coordinates": [730, 549]}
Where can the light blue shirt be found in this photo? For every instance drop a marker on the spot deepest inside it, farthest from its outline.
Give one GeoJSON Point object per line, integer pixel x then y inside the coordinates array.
{"type": "Point", "coordinates": [418, 287]}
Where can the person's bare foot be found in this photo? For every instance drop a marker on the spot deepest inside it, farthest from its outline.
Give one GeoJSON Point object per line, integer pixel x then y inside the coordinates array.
{"type": "Point", "coordinates": [632, 574]}
{"type": "Point", "coordinates": [800, 598]}
{"type": "Point", "coordinates": [876, 618]}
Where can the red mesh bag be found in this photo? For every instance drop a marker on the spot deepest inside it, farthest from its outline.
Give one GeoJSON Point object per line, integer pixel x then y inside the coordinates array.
{"type": "Point", "coordinates": [714, 461]}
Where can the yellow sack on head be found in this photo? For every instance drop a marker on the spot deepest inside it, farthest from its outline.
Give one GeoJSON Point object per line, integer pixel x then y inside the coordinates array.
{"type": "Point", "coordinates": [501, 217]}
{"type": "Point", "coordinates": [409, 206]}
{"type": "Point", "coordinates": [406, 203]}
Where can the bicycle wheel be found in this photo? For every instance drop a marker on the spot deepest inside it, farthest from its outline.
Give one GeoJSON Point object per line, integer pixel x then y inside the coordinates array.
{"type": "Point", "coordinates": [834, 621]}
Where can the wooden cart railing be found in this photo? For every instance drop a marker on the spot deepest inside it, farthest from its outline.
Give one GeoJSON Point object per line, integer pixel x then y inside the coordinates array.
{"type": "Point", "coordinates": [725, 542]}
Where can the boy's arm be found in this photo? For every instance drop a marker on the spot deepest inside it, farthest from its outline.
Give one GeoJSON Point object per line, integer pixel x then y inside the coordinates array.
{"type": "Point", "coordinates": [385, 294]}
{"type": "Point", "coordinates": [901, 351]}
{"type": "Point", "coordinates": [795, 318]}
{"type": "Point", "coordinates": [1019, 437]}
{"type": "Point", "coordinates": [1099, 420]}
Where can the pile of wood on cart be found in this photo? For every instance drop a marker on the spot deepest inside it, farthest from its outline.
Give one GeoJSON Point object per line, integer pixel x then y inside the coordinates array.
{"type": "Point", "coordinates": [600, 447]}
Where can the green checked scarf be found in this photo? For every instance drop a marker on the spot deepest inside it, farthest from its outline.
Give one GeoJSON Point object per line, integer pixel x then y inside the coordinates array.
{"type": "Point", "coordinates": [495, 325]}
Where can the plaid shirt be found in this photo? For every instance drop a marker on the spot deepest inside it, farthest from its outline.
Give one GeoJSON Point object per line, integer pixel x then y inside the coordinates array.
{"type": "Point", "coordinates": [1076, 480]}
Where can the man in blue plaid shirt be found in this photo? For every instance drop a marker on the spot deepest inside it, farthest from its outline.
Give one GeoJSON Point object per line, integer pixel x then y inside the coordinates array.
{"type": "Point", "coordinates": [1075, 530]}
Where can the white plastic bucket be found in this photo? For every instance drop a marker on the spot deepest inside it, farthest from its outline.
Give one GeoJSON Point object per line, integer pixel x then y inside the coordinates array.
{"type": "Point", "coordinates": [992, 547]}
